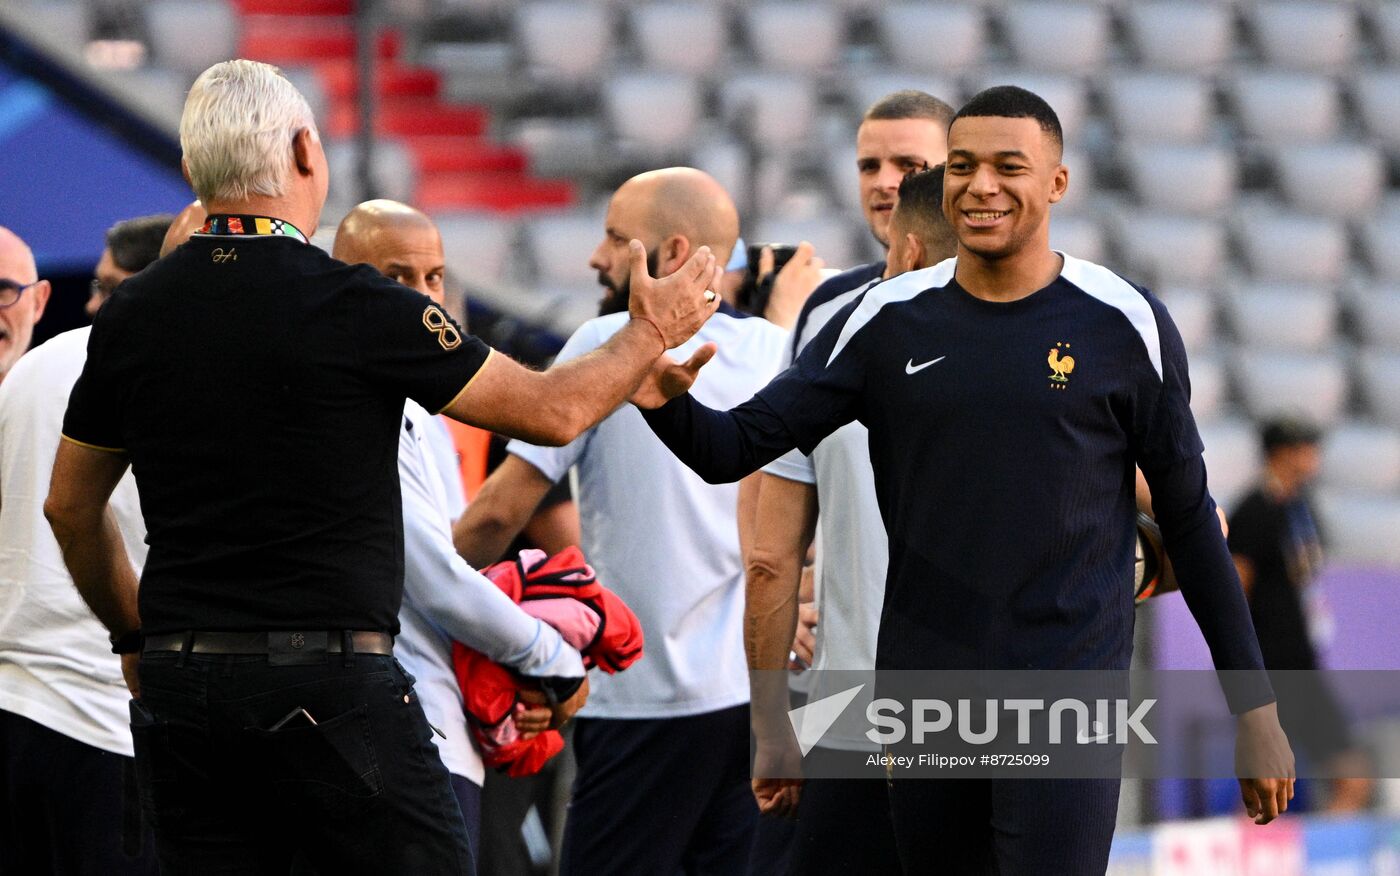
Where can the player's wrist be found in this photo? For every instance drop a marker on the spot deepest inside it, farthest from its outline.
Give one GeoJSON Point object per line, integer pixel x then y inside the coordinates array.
{"type": "Point", "coordinates": [660, 335]}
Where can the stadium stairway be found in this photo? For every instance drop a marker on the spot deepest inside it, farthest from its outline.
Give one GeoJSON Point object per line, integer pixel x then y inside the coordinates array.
{"type": "Point", "coordinates": [459, 167]}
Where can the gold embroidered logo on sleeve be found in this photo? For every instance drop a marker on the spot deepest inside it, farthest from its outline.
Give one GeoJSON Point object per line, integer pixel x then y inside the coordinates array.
{"type": "Point", "coordinates": [438, 323]}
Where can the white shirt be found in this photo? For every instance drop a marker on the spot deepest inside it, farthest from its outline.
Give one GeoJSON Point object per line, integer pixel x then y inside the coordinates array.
{"type": "Point", "coordinates": [56, 664]}
{"type": "Point", "coordinates": [853, 552]}
{"type": "Point", "coordinates": [444, 599]}
{"type": "Point", "coordinates": [662, 538]}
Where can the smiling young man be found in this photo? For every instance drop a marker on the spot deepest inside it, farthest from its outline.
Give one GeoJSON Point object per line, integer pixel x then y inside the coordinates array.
{"type": "Point", "coordinates": [1004, 474]}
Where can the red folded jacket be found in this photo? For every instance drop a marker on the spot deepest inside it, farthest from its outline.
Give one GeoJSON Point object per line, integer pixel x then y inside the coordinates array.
{"type": "Point", "coordinates": [564, 592]}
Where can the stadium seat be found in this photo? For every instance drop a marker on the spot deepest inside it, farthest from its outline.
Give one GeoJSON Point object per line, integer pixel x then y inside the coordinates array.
{"type": "Point", "coordinates": [1378, 374]}
{"type": "Point", "coordinates": [1305, 34]}
{"type": "Point", "coordinates": [1361, 527]}
{"type": "Point", "coordinates": [564, 42]}
{"type": "Point", "coordinates": [1078, 236]}
{"type": "Point", "coordinates": [653, 115]}
{"type": "Point", "coordinates": [1377, 312]}
{"type": "Point", "coordinates": [68, 18]}
{"type": "Point", "coordinates": [1274, 382]}
{"type": "Point", "coordinates": [933, 37]}
{"type": "Point", "coordinates": [1067, 95]}
{"type": "Point", "coordinates": [1193, 36]}
{"type": "Point", "coordinates": [478, 247]}
{"type": "Point", "coordinates": [1293, 248]}
{"type": "Point", "coordinates": [1381, 236]}
{"type": "Point", "coordinates": [562, 146]}
{"type": "Point", "coordinates": [1166, 248]}
{"type": "Point", "coordinates": [190, 35]}
{"type": "Point", "coordinates": [843, 178]}
{"type": "Point", "coordinates": [684, 37]}
{"type": "Point", "coordinates": [830, 237]}
{"type": "Point", "coordinates": [1083, 181]}
{"type": "Point", "coordinates": [1277, 316]}
{"type": "Point", "coordinates": [1180, 178]}
{"type": "Point", "coordinates": [1232, 457]}
{"type": "Point", "coordinates": [1386, 18]}
{"type": "Point", "coordinates": [1193, 310]}
{"type": "Point", "coordinates": [1210, 389]}
{"type": "Point", "coordinates": [159, 88]}
{"type": "Point", "coordinates": [1159, 107]}
{"type": "Point", "coordinates": [395, 174]}
{"type": "Point", "coordinates": [1057, 36]}
{"type": "Point", "coordinates": [1361, 456]}
{"type": "Point", "coordinates": [1283, 107]}
{"type": "Point", "coordinates": [795, 36]}
{"type": "Point", "coordinates": [1376, 94]}
{"type": "Point", "coordinates": [723, 157]}
{"type": "Point", "coordinates": [563, 308]}
{"type": "Point", "coordinates": [560, 245]}
{"type": "Point", "coordinates": [863, 89]}
{"type": "Point", "coordinates": [1345, 180]}
{"type": "Point", "coordinates": [775, 109]}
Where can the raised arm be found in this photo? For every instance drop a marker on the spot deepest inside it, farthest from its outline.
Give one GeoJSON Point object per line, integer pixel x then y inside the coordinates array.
{"type": "Point", "coordinates": [502, 508]}
{"type": "Point", "coordinates": [555, 406]}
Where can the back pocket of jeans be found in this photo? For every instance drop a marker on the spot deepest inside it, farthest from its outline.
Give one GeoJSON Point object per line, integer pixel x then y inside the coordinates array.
{"type": "Point", "coordinates": [157, 767]}
{"type": "Point", "coordinates": [330, 766]}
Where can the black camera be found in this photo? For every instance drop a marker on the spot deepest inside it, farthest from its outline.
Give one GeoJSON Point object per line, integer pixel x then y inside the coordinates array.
{"type": "Point", "coordinates": [753, 294]}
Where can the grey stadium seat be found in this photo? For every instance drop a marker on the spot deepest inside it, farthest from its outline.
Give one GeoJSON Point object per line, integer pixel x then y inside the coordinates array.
{"type": "Point", "coordinates": [564, 42]}
{"type": "Point", "coordinates": [1187, 35]}
{"type": "Point", "coordinates": [653, 114]}
{"type": "Point", "coordinates": [685, 37]}
{"type": "Point", "coordinates": [1281, 107]}
{"type": "Point", "coordinates": [1361, 456]}
{"type": "Point", "coordinates": [798, 36]}
{"type": "Point", "coordinates": [1378, 375]}
{"type": "Point", "coordinates": [1209, 387]}
{"type": "Point", "coordinates": [1293, 248]}
{"type": "Point", "coordinates": [67, 19]}
{"type": "Point", "coordinates": [1067, 95]}
{"type": "Point", "coordinates": [1182, 178]}
{"type": "Point", "coordinates": [1381, 236]}
{"type": "Point", "coordinates": [1057, 36]}
{"type": "Point", "coordinates": [1377, 94]}
{"type": "Point", "coordinates": [395, 174]}
{"type": "Point", "coordinates": [1377, 311]}
{"type": "Point", "coordinates": [776, 109]}
{"type": "Point", "coordinates": [1078, 236]}
{"type": "Point", "coordinates": [863, 89]}
{"type": "Point", "coordinates": [561, 244]}
{"type": "Point", "coordinates": [1283, 317]}
{"type": "Point", "coordinates": [1274, 382]}
{"type": "Point", "coordinates": [1232, 457]}
{"type": "Point", "coordinates": [1361, 527]}
{"type": "Point", "coordinates": [1083, 181]}
{"type": "Point", "coordinates": [1174, 107]}
{"type": "Point", "coordinates": [191, 35]}
{"type": "Point", "coordinates": [1387, 21]}
{"type": "Point", "coordinates": [1306, 35]}
{"type": "Point", "coordinates": [1345, 180]}
{"type": "Point", "coordinates": [933, 37]}
{"type": "Point", "coordinates": [1166, 248]}
{"type": "Point", "coordinates": [478, 246]}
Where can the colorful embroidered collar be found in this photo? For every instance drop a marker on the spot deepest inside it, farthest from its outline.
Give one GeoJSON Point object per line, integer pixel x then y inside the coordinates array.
{"type": "Point", "coordinates": [251, 225]}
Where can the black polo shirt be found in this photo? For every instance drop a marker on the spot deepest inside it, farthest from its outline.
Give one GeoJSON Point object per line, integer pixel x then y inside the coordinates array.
{"type": "Point", "coordinates": [257, 386]}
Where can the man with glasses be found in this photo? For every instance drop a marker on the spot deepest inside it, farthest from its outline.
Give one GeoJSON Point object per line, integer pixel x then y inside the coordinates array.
{"type": "Point", "coordinates": [131, 245]}
{"type": "Point", "coordinates": [22, 298]}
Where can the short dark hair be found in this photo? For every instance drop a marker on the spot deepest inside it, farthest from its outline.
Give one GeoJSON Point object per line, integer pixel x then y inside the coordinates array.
{"type": "Point", "coordinates": [1014, 102]}
{"type": "Point", "coordinates": [920, 210]}
{"type": "Point", "coordinates": [1288, 431]}
{"type": "Point", "coordinates": [135, 243]}
{"type": "Point", "coordinates": [910, 104]}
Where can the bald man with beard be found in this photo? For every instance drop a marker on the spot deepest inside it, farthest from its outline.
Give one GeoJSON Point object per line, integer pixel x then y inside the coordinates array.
{"type": "Point", "coordinates": [662, 748]}
{"type": "Point", "coordinates": [444, 598]}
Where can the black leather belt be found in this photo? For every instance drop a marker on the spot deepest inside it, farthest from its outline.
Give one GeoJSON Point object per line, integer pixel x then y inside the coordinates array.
{"type": "Point", "coordinates": [279, 642]}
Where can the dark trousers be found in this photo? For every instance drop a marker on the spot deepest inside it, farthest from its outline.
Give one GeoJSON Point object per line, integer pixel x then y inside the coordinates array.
{"type": "Point", "coordinates": [229, 786]}
{"type": "Point", "coordinates": [661, 796]}
{"type": "Point", "coordinates": [62, 811]}
{"type": "Point", "coordinates": [468, 794]}
{"type": "Point", "coordinates": [843, 827]}
{"type": "Point", "coordinates": [1004, 826]}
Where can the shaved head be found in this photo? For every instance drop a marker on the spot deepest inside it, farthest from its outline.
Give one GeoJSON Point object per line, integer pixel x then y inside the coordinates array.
{"type": "Point", "coordinates": [673, 212]}
{"type": "Point", "coordinates": [400, 242]}
{"type": "Point", "coordinates": [20, 276]}
{"type": "Point", "coordinates": [187, 222]}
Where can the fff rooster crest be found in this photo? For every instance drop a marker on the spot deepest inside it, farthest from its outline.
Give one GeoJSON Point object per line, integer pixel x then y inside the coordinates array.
{"type": "Point", "coordinates": [1061, 366]}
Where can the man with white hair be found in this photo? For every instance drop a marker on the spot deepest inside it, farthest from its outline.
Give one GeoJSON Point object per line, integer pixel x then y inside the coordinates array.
{"type": "Point", "coordinates": [22, 298]}
{"type": "Point", "coordinates": [256, 388]}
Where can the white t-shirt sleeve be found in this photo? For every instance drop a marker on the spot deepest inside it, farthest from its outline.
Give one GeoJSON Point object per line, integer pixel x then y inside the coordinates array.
{"type": "Point", "coordinates": [458, 598]}
{"type": "Point", "coordinates": [793, 466]}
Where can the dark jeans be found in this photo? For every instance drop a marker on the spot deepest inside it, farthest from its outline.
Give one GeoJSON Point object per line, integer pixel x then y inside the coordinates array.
{"type": "Point", "coordinates": [61, 806]}
{"type": "Point", "coordinates": [661, 796]}
{"type": "Point", "coordinates": [228, 790]}
{"type": "Point", "coordinates": [844, 826]}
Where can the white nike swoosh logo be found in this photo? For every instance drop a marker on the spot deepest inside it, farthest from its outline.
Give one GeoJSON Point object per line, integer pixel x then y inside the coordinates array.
{"type": "Point", "coordinates": [911, 368]}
